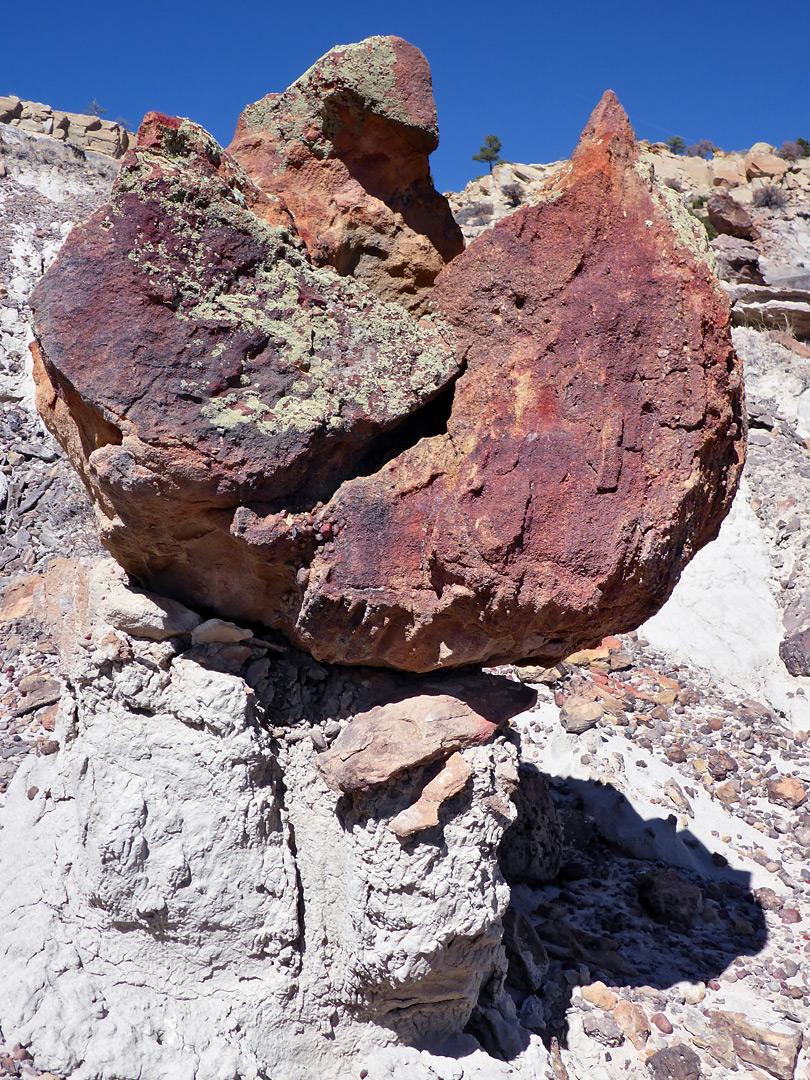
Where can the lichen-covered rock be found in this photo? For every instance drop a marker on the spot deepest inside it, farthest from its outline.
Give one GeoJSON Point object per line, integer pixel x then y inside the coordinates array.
{"type": "Point", "coordinates": [270, 441]}
{"type": "Point", "coordinates": [346, 147]}
{"type": "Point", "coordinates": [192, 360]}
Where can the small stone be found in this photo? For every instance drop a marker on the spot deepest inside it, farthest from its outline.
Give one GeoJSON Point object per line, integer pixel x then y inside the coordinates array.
{"type": "Point", "coordinates": [669, 897]}
{"type": "Point", "coordinates": [603, 1028]}
{"type": "Point", "coordinates": [726, 793]}
{"type": "Point", "coordinates": [633, 1021]}
{"type": "Point", "coordinates": [32, 793]}
{"type": "Point", "coordinates": [693, 993]}
{"type": "Point", "coordinates": [676, 1062]}
{"type": "Point", "coordinates": [662, 1023]}
{"type": "Point", "coordinates": [579, 716]}
{"type": "Point", "coordinates": [790, 915]}
{"type": "Point", "coordinates": [218, 631]}
{"type": "Point", "coordinates": [676, 754]}
{"type": "Point", "coordinates": [786, 791]}
{"type": "Point", "coordinates": [768, 899]}
{"type": "Point", "coordinates": [666, 697]}
{"type": "Point", "coordinates": [598, 994]}
{"type": "Point", "coordinates": [721, 764]}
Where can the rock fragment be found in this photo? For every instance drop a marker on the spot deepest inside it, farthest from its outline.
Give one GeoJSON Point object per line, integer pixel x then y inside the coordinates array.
{"type": "Point", "coordinates": [139, 614]}
{"type": "Point", "coordinates": [676, 1062]}
{"type": "Point", "coordinates": [346, 147]}
{"type": "Point", "coordinates": [382, 743]}
{"type": "Point", "coordinates": [794, 652]}
{"type": "Point", "coordinates": [786, 791]}
{"type": "Point", "coordinates": [774, 1047]}
{"type": "Point", "coordinates": [633, 1022]}
{"type": "Point", "coordinates": [728, 217]}
{"type": "Point", "coordinates": [669, 897]}
{"type": "Point", "coordinates": [424, 813]}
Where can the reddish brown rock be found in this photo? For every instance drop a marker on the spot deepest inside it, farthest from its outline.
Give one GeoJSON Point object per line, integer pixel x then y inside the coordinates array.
{"type": "Point", "coordinates": [424, 813]}
{"type": "Point", "coordinates": [594, 443]}
{"type": "Point", "coordinates": [347, 147]}
{"type": "Point", "coordinates": [728, 217]}
{"type": "Point", "coordinates": [633, 1022]}
{"type": "Point", "coordinates": [269, 441]}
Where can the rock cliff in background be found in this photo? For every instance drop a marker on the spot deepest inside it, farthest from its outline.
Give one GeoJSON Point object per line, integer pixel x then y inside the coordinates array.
{"type": "Point", "coordinates": [271, 441]}
{"type": "Point", "coordinates": [346, 147]}
{"type": "Point", "coordinates": [78, 130]}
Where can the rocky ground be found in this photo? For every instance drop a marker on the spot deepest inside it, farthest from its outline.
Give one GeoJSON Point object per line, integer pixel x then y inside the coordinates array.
{"type": "Point", "coordinates": [676, 934]}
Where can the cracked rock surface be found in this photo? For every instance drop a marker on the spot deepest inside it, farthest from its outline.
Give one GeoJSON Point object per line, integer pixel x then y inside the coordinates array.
{"type": "Point", "coordinates": [518, 474]}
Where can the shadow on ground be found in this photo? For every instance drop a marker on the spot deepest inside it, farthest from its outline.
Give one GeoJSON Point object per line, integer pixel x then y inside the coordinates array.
{"type": "Point", "coordinates": [599, 919]}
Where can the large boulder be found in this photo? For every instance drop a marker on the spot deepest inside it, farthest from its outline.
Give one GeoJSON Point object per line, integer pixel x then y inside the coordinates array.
{"type": "Point", "coordinates": [272, 442]}
{"type": "Point", "coordinates": [347, 147]}
{"type": "Point", "coordinates": [761, 162]}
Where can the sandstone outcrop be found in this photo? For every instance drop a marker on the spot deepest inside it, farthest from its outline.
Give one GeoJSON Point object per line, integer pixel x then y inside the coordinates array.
{"type": "Point", "coordinates": [267, 440]}
{"type": "Point", "coordinates": [346, 147]}
{"type": "Point", "coordinates": [737, 260]}
{"type": "Point", "coordinates": [772, 307]}
{"type": "Point", "coordinates": [761, 162]}
{"type": "Point", "coordinates": [82, 131]}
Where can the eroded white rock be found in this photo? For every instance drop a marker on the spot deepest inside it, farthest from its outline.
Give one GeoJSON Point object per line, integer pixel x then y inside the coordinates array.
{"type": "Point", "coordinates": [181, 894]}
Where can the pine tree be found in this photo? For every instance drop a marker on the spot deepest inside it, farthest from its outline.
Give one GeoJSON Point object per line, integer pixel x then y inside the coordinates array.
{"type": "Point", "coordinates": [489, 151]}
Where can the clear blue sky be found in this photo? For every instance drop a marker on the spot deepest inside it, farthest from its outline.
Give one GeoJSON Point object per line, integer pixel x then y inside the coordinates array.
{"type": "Point", "coordinates": [527, 72]}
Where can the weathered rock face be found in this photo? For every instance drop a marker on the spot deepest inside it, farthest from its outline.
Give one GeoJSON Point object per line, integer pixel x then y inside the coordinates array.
{"type": "Point", "coordinates": [761, 161]}
{"type": "Point", "coordinates": [346, 146]}
{"type": "Point", "coordinates": [265, 439]}
{"type": "Point", "coordinates": [198, 901]}
{"type": "Point", "coordinates": [737, 260]}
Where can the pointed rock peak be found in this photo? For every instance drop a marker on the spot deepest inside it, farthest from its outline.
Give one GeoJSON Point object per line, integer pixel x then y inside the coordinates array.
{"type": "Point", "coordinates": [608, 124]}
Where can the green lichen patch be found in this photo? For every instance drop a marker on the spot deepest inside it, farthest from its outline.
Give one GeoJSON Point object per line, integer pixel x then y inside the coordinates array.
{"type": "Point", "coordinates": [688, 229]}
{"type": "Point", "coordinates": [359, 79]}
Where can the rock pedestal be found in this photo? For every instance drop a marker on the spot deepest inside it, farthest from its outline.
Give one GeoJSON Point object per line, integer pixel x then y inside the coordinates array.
{"type": "Point", "coordinates": [181, 892]}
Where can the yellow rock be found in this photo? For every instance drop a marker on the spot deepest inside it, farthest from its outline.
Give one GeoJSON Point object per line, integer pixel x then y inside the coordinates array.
{"type": "Point", "coordinates": [600, 995]}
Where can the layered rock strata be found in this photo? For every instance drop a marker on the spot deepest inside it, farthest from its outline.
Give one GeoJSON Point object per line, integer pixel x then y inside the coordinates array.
{"type": "Point", "coordinates": [78, 130]}
{"type": "Point", "coordinates": [198, 901]}
{"type": "Point", "coordinates": [516, 476]}
{"type": "Point", "coordinates": [346, 147]}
